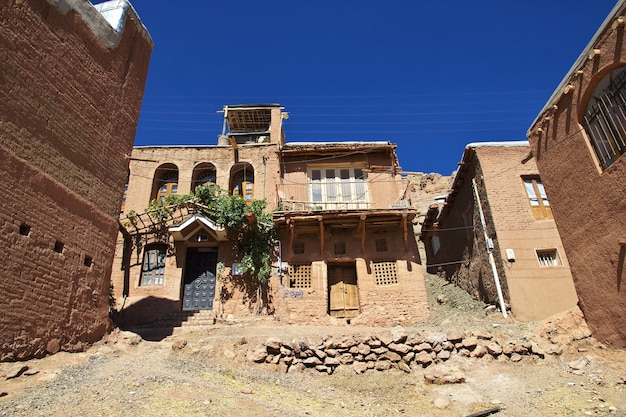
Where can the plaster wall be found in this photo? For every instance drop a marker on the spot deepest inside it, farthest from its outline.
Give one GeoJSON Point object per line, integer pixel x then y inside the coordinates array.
{"type": "Point", "coordinates": [588, 202]}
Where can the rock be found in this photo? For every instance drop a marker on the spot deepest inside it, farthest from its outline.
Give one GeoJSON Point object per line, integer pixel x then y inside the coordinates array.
{"type": "Point", "coordinates": [296, 368]}
{"type": "Point", "coordinates": [392, 356]}
{"type": "Point", "coordinates": [374, 343]}
{"type": "Point", "coordinates": [129, 338]}
{"type": "Point", "coordinates": [423, 358]}
{"type": "Point", "coordinates": [398, 334]}
{"type": "Point", "coordinates": [359, 367]}
{"type": "Point", "coordinates": [312, 361]}
{"type": "Point", "coordinates": [386, 339]}
{"type": "Point", "coordinates": [482, 335]}
{"type": "Point", "coordinates": [30, 372]}
{"type": "Point", "coordinates": [404, 367]}
{"type": "Point", "coordinates": [273, 346]}
{"type": "Point", "coordinates": [323, 368]}
{"type": "Point", "coordinates": [179, 345]}
{"type": "Point", "coordinates": [399, 347]}
{"type": "Point", "coordinates": [444, 355]}
{"type": "Point", "coordinates": [257, 355]}
{"type": "Point", "coordinates": [455, 336]}
{"type": "Point", "coordinates": [444, 374]}
{"type": "Point", "coordinates": [379, 350]}
{"type": "Point", "coordinates": [346, 359]}
{"type": "Point", "coordinates": [423, 347]}
{"type": "Point", "coordinates": [320, 354]}
{"type": "Point", "coordinates": [364, 349]}
{"type": "Point", "coordinates": [408, 357]}
{"type": "Point", "coordinates": [470, 342]}
{"type": "Point", "coordinates": [15, 371]}
{"type": "Point", "coordinates": [493, 348]}
{"type": "Point", "coordinates": [328, 361]}
{"type": "Point", "coordinates": [382, 365]}
{"type": "Point", "coordinates": [579, 364]}
{"type": "Point", "coordinates": [331, 352]}
{"type": "Point", "coordinates": [479, 352]}
{"type": "Point", "coordinates": [516, 357]}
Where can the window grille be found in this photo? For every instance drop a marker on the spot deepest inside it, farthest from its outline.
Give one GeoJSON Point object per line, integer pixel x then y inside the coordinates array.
{"type": "Point", "coordinates": [605, 119]}
{"type": "Point", "coordinates": [385, 273]}
{"type": "Point", "coordinates": [300, 276]}
{"type": "Point", "coordinates": [547, 257]}
{"type": "Point", "coordinates": [153, 269]}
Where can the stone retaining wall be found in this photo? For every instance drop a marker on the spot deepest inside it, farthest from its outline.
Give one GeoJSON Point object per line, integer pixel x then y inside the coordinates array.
{"type": "Point", "coordinates": [395, 350]}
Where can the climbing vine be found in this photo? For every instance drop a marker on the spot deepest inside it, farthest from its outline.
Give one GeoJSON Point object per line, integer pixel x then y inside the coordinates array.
{"type": "Point", "coordinates": [249, 227]}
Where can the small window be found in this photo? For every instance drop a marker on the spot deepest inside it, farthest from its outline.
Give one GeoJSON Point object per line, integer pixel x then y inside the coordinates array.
{"type": "Point", "coordinates": [548, 257]}
{"type": "Point", "coordinates": [153, 270]}
{"type": "Point", "coordinates": [87, 261]}
{"type": "Point", "coordinates": [300, 276]}
{"type": "Point", "coordinates": [58, 246]}
{"type": "Point", "coordinates": [385, 273]}
{"type": "Point", "coordinates": [298, 248]}
{"type": "Point", "coordinates": [24, 230]}
{"type": "Point", "coordinates": [538, 199]}
{"type": "Point", "coordinates": [340, 248]}
{"type": "Point", "coordinates": [381, 245]}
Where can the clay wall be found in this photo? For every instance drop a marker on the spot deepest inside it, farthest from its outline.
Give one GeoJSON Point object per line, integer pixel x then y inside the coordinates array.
{"type": "Point", "coordinates": [587, 201]}
{"type": "Point", "coordinates": [71, 93]}
{"type": "Point", "coordinates": [536, 292]}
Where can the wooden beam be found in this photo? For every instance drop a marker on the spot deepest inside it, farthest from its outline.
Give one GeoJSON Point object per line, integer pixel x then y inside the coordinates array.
{"type": "Point", "coordinates": [321, 223]}
{"type": "Point", "coordinates": [362, 228]}
{"type": "Point", "coordinates": [292, 231]}
{"type": "Point", "coordinates": [404, 228]}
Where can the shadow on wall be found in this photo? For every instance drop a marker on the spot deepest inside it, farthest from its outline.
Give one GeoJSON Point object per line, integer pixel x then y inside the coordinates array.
{"type": "Point", "coordinates": [152, 317]}
{"type": "Point", "coordinates": [255, 296]}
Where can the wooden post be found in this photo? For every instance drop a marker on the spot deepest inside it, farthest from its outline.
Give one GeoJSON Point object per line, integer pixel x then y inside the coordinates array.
{"type": "Point", "coordinates": [321, 222]}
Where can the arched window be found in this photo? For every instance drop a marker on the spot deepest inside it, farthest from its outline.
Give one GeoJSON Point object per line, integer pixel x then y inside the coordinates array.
{"type": "Point", "coordinates": [203, 174]}
{"type": "Point", "coordinates": [165, 181]}
{"type": "Point", "coordinates": [242, 181]}
{"type": "Point", "coordinates": [605, 117]}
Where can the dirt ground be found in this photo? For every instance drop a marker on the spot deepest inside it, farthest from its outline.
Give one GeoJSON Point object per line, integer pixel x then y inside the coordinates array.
{"type": "Point", "coordinates": [203, 371]}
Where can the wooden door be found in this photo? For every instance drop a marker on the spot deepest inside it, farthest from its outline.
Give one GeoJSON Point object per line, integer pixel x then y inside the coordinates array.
{"type": "Point", "coordinates": [343, 291]}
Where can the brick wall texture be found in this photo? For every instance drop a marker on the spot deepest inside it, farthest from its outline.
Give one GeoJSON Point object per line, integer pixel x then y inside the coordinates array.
{"type": "Point", "coordinates": [587, 201]}
{"type": "Point", "coordinates": [69, 105]}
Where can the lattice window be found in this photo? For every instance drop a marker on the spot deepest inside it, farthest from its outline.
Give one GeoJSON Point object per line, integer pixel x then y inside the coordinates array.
{"type": "Point", "coordinates": [385, 273]}
{"type": "Point", "coordinates": [300, 276]}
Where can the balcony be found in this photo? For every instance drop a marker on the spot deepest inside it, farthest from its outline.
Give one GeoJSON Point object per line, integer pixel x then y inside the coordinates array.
{"type": "Point", "coordinates": [343, 195]}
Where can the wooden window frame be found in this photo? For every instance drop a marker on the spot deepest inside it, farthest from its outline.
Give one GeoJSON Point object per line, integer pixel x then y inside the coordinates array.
{"type": "Point", "coordinates": [537, 198]}
{"type": "Point", "coordinates": [300, 275]}
{"type": "Point", "coordinates": [385, 273]}
{"type": "Point", "coordinates": [338, 187]}
{"type": "Point", "coordinates": [153, 265]}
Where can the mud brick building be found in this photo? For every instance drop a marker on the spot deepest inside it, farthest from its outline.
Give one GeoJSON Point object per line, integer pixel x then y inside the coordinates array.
{"type": "Point", "coordinates": [528, 260]}
{"type": "Point", "coordinates": [70, 93]}
{"type": "Point", "coordinates": [578, 141]}
{"type": "Point", "coordinates": [346, 251]}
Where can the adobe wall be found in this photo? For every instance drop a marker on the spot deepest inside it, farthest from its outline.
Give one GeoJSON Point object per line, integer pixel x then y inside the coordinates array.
{"type": "Point", "coordinates": [72, 90]}
{"type": "Point", "coordinates": [384, 305]}
{"type": "Point", "coordinates": [463, 258]}
{"type": "Point", "coordinates": [535, 292]}
{"type": "Point", "coordinates": [588, 203]}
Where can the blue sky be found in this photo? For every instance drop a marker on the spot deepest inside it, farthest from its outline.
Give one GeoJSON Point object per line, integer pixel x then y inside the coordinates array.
{"type": "Point", "coordinates": [429, 76]}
